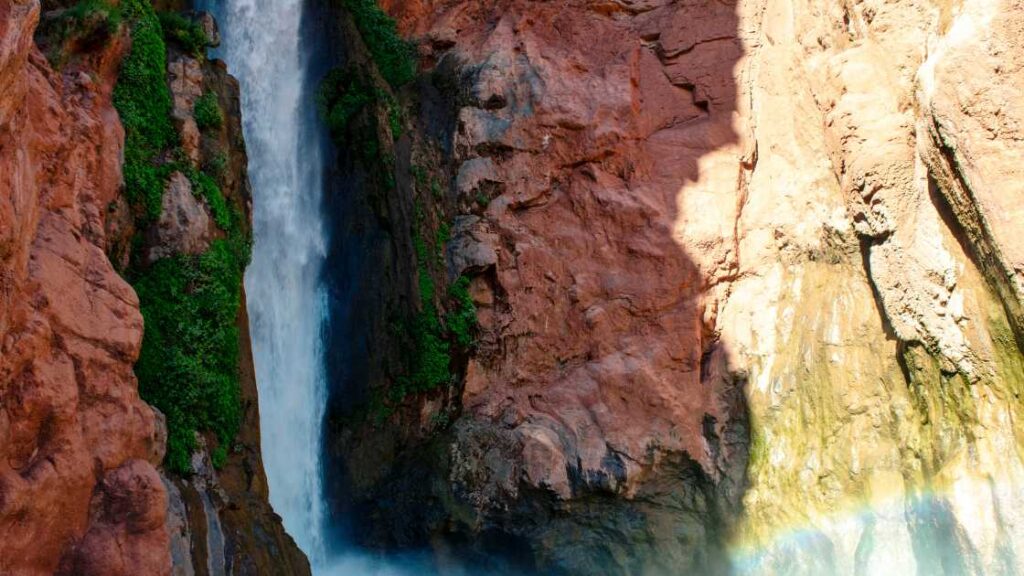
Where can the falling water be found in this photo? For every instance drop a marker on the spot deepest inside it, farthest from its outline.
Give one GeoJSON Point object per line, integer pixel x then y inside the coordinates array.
{"type": "Point", "coordinates": [262, 44]}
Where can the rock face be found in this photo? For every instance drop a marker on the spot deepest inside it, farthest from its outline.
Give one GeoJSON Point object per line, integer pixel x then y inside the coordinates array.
{"type": "Point", "coordinates": [184, 225]}
{"type": "Point", "coordinates": [78, 487]}
{"type": "Point", "coordinates": [748, 293]}
{"type": "Point", "coordinates": [80, 490]}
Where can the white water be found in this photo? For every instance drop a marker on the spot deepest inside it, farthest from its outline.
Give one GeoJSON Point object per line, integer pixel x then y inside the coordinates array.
{"type": "Point", "coordinates": [261, 42]}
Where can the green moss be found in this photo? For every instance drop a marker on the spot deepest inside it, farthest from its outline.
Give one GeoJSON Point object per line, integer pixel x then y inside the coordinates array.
{"type": "Point", "coordinates": [87, 24]}
{"type": "Point", "coordinates": [144, 103]}
{"type": "Point", "coordinates": [205, 187]}
{"type": "Point", "coordinates": [219, 457]}
{"type": "Point", "coordinates": [186, 33]}
{"type": "Point", "coordinates": [392, 54]}
{"type": "Point", "coordinates": [342, 95]}
{"type": "Point", "coordinates": [461, 319]}
{"type": "Point", "coordinates": [207, 112]}
{"type": "Point", "coordinates": [432, 340]}
{"type": "Point", "coordinates": [188, 367]}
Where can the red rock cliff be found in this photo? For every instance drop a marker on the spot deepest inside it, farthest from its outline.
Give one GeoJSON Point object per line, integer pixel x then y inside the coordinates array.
{"type": "Point", "coordinates": [79, 491]}
{"type": "Point", "coordinates": [742, 270]}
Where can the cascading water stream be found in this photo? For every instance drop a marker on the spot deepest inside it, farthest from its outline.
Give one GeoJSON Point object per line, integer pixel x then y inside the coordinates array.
{"type": "Point", "coordinates": [262, 44]}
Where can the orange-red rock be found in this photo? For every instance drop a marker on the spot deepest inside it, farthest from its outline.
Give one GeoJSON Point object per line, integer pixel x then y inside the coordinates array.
{"type": "Point", "coordinates": [586, 119]}
{"type": "Point", "coordinates": [77, 444]}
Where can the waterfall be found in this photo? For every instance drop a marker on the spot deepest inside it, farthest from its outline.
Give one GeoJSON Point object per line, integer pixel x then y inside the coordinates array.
{"type": "Point", "coordinates": [262, 44]}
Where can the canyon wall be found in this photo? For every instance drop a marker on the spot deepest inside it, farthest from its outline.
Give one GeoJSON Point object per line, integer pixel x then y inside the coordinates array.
{"type": "Point", "coordinates": [83, 483]}
{"type": "Point", "coordinates": [746, 289]}
{"type": "Point", "coordinates": [80, 491]}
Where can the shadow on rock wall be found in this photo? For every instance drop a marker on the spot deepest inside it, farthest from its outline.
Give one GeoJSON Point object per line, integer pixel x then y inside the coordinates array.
{"type": "Point", "coordinates": [599, 427]}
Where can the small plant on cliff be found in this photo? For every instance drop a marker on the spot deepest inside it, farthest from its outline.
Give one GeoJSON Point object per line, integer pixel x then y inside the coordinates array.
{"type": "Point", "coordinates": [219, 457]}
{"type": "Point", "coordinates": [392, 54]}
{"type": "Point", "coordinates": [395, 117]}
{"type": "Point", "coordinates": [87, 24]}
{"type": "Point", "coordinates": [462, 318]}
{"type": "Point", "coordinates": [205, 187]}
{"type": "Point", "coordinates": [188, 34]}
{"type": "Point", "coordinates": [217, 166]}
{"type": "Point", "coordinates": [343, 94]}
{"type": "Point", "coordinates": [207, 112]}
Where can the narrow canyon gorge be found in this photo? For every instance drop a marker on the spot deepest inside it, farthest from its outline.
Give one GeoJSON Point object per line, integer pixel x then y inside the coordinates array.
{"type": "Point", "coordinates": [581, 287]}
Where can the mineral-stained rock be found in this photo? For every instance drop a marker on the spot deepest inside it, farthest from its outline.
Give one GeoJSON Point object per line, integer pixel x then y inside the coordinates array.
{"type": "Point", "coordinates": [752, 256]}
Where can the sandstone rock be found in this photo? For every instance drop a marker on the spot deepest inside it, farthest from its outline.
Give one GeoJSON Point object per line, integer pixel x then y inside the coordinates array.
{"type": "Point", "coordinates": [185, 78]}
{"type": "Point", "coordinates": [185, 226]}
{"type": "Point", "coordinates": [178, 531]}
{"type": "Point", "coordinates": [126, 534]}
{"type": "Point", "coordinates": [474, 175]}
{"type": "Point", "coordinates": [77, 445]}
{"type": "Point", "coordinates": [472, 247]}
{"type": "Point", "coordinates": [79, 493]}
{"type": "Point", "coordinates": [971, 136]}
{"type": "Point", "coordinates": [209, 26]}
{"type": "Point", "coordinates": [761, 246]}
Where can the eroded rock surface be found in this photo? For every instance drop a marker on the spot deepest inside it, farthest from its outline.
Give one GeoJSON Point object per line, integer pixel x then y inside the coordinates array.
{"type": "Point", "coordinates": [80, 492]}
{"type": "Point", "coordinates": [184, 226]}
{"type": "Point", "coordinates": [78, 487]}
{"type": "Point", "coordinates": [743, 270]}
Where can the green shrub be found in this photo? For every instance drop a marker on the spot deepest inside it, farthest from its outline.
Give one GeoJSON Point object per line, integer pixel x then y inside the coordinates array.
{"type": "Point", "coordinates": [188, 366]}
{"type": "Point", "coordinates": [217, 166]}
{"type": "Point", "coordinates": [188, 34]}
{"type": "Point", "coordinates": [205, 187]}
{"type": "Point", "coordinates": [342, 95]}
{"type": "Point", "coordinates": [392, 53]}
{"type": "Point", "coordinates": [87, 23]}
{"type": "Point", "coordinates": [143, 101]}
{"type": "Point", "coordinates": [207, 112]}
{"type": "Point", "coordinates": [461, 320]}
{"type": "Point", "coordinates": [419, 173]}
{"type": "Point", "coordinates": [394, 118]}
{"type": "Point", "coordinates": [219, 457]}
